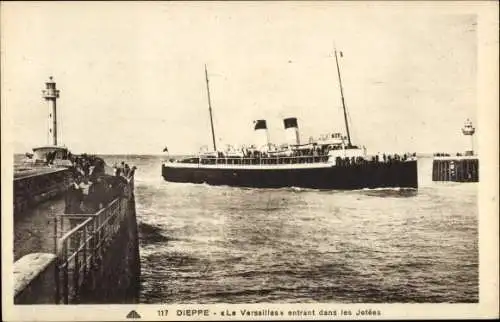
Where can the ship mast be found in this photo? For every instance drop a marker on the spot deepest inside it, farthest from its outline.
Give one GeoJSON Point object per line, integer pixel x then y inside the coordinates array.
{"type": "Point", "coordinates": [343, 102]}
{"type": "Point", "coordinates": [210, 110]}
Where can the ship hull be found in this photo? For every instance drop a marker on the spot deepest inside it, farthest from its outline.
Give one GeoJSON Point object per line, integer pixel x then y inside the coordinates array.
{"type": "Point", "coordinates": [349, 177]}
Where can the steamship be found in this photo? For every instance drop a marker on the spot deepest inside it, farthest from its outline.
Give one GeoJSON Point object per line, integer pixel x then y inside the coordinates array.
{"type": "Point", "coordinates": [329, 162]}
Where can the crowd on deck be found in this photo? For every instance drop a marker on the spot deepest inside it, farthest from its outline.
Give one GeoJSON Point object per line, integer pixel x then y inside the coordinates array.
{"type": "Point", "coordinates": [314, 151]}
{"type": "Point", "coordinates": [386, 158]}
{"type": "Point", "coordinates": [441, 154]}
{"type": "Point", "coordinates": [90, 189]}
{"type": "Point", "coordinates": [393, 157]}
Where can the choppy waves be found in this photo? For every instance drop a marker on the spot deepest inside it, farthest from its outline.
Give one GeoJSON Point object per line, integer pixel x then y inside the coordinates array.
{"type": "Point", "coordinates": [205, 244]}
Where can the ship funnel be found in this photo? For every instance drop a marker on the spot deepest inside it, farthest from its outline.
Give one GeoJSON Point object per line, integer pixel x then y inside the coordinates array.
{"type": "Point", "coordinates": [261, 134]}
{"type": "Point", "coordinates": [291, 130]}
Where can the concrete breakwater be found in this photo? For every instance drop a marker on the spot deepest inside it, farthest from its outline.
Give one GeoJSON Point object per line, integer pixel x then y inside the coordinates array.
{"type": "Point", "coordinates": [35, 185]}
{"type": "Point", "coordinates": [95, 259]}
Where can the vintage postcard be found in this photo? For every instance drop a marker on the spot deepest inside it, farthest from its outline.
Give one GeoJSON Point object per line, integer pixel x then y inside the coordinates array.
{"type": "Point", "coordinates": [294, 160]}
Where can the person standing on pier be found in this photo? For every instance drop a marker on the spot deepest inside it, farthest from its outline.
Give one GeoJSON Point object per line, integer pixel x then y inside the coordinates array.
{"type": "Point", "coordinates": [73, 197]}
{"type": "Point", "coordinates": [73, 200]}
{"type": "Point", "coordinates": [97, 197]}
{"type": "Point", "coordinates": [132, 172]}
{"type": "Point", "coordinates": [126, 170]}
{"type": "Point", "coordinates": [86, 202]}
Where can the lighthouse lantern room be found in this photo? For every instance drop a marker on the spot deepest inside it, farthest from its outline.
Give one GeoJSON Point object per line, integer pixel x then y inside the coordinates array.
{"type": "Point", "coordinates": [469, 130]}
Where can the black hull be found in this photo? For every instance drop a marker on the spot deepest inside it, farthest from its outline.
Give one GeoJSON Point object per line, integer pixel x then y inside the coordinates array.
{"type": "Point", "coordinates": [371, 175]}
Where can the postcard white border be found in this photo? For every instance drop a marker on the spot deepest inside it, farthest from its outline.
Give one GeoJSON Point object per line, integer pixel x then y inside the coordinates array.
{"type": "Point", "coordinates": [488, 93]}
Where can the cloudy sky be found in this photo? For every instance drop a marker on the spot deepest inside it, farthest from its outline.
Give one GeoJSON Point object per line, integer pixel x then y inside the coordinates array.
{"type": "Point", "coordinates": [132, 78]}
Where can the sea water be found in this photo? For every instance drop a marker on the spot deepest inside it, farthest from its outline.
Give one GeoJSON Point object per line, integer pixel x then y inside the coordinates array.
{"type": "Point", "coordinates": [208, 244]}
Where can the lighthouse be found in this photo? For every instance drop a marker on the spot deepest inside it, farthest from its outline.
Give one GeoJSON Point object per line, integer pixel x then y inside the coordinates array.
{"type": "Point", "coordinates": [51, 94]}
{"type": "Point", "coordinates": [469, 130]}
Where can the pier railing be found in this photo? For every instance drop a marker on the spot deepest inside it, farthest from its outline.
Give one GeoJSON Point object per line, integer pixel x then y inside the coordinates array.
{"type": "Point", "coordinates": [82, 239]}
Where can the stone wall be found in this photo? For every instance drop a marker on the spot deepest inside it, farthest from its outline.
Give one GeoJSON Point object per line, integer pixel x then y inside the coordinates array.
{"type": "Point", "coordinates": [115, 278]}
{"type": "Point", "coordinates": [34, 279]}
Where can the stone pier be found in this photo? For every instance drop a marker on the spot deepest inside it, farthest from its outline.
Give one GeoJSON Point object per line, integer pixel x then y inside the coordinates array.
{"type": "Point", "coordinates": [95, 260]}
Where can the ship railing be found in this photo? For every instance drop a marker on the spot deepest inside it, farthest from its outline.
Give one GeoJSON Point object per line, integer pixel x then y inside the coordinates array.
{"type": "Point", "coordinates": [81, 241]}
{"type": "Point", "coordinates": [264, 160]}
{"type": "Point", "coordinates": [339, 160]}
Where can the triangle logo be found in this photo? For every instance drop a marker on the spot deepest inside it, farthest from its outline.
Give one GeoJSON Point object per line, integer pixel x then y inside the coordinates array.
{"type": "Point", "coordinates": [133, 315]}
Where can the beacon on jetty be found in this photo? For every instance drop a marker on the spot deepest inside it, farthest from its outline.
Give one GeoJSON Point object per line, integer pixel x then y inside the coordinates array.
{"type": "Point", "coordinates": [52, 153]}
{"type": "Point", "coordinates": [42, 173]}
{"type": "Point", "coordinates": [329, 162]}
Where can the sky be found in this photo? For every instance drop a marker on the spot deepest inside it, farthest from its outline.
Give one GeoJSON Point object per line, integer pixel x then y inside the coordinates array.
{"type": "Point", "coordinates": [131, 74]}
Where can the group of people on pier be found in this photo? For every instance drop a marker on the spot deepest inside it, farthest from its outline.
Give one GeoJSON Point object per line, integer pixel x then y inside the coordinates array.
{"type": "Point", "coordinates": [384, 158]}
{"type": "Point", "coordinates": [124, 170]}
{"type": "Point", "coordinates": [90, 189]}
{"type": "Point", "coordinates": [458, 154]}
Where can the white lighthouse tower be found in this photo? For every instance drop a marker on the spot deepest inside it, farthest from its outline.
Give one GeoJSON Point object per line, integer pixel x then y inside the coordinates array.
{"type": "Point", "coordinates": [51, 94]}
{"type": "Point", "coordinates": [469, 130]}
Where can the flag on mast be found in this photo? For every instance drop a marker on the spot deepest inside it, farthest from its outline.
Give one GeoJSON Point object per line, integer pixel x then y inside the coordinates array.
{"type": "Point", "coordinates": [341, 55]}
